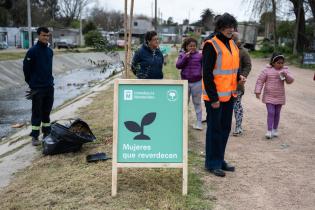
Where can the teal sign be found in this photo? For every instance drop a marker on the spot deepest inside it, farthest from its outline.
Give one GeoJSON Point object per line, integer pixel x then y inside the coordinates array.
{"type": "Point", "coordinates": [165, 49]}
{"type": "Point", "coordinates": [150, 123]}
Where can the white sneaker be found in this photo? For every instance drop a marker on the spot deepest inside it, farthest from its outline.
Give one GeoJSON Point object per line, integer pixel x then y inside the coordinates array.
{"type": "Point", "coordinates": [274, 133]}
{"type": "Point", "coordinates": [268, 135]}
{"type": "Point", "coordinates": [238, 132]}
{"type": "Point", "coordinates": [198, 126]}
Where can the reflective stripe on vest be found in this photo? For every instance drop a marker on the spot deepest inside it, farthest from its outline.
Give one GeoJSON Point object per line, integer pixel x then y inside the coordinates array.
{"type": "Point", "coordinates": [225, 74]}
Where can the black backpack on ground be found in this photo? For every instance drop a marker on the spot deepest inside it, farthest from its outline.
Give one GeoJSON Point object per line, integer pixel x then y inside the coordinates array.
{"type": "Point", "coordinates": [67, 137]}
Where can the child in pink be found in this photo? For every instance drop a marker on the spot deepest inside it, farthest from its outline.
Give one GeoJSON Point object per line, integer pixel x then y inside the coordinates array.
{"type": "Point", "coordinates": [272, 79]}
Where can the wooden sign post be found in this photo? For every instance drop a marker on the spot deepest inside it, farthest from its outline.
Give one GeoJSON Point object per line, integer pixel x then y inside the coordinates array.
{"type": "Point", "coordinates": [150, 126]}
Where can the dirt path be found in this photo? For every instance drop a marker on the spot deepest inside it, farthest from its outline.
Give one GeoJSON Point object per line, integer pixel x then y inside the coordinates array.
{"type": "Point", "coordinates": [277, 173]}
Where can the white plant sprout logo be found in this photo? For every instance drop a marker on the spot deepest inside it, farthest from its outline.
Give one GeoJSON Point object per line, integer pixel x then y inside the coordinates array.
{"type": "Point", "coordinates": [172, 95]}
{"type": "Point", "coordinates": [128, 95]}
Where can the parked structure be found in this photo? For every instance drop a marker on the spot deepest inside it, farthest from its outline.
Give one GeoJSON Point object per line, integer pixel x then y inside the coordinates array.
{"type": "Point", "coordinates": [69, 36]}
{"type": "Point", "coordinates": [248, 34]}
{"type": "Point", "coordinates": [168, 34]}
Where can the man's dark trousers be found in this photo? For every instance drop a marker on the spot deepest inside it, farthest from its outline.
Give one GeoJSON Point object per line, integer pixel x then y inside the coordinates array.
{"type": "Point", "coordinates": [42, 103]}
{"type": "Point", "coordinates": [218, 129]}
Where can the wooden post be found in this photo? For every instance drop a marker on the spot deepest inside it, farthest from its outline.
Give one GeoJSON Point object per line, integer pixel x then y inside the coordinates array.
{"type": "Point", "coordinates": [116, 120]}
{"type": "Point", "coordinates": [115, 125]}
{"type": "Point", "coordinates": [130, 36]}
{"type": "Point", "coordinates": [125, 38]}
{"type": "Point", "coordinates": [185, 140]}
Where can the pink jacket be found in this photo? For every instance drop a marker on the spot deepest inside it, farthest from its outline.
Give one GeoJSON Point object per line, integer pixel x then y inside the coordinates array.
{"type": "Point", "coordinates": [269, 78]}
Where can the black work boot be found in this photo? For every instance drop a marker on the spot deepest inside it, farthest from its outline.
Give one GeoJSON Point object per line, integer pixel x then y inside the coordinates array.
{"type": "Point", "coordinates": [45, 135]}
{"type": "Point", "coordinates": [35, 141]}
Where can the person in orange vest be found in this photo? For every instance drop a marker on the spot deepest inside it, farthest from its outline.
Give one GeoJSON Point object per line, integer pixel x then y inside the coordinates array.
{"type": "Point", "coordinates": [220, 78]}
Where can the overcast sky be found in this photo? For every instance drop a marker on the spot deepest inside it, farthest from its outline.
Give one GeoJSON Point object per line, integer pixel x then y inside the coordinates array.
{"type": "Point", "coordinates": [181, 9]}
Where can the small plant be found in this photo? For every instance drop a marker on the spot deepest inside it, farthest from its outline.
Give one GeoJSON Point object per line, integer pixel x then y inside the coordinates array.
{"type": "Point", "coordinates": [135, 127]}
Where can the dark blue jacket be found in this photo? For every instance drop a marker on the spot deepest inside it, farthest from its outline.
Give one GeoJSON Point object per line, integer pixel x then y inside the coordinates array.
{"type": "Point", "coordinates": [37, 66]}
{"type": "Point", "coordinates": [147, 63]}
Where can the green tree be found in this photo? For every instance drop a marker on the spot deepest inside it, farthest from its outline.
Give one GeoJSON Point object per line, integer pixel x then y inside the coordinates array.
{"type": "Point", "coordinates": [207, 17]}
{"type": "Point", "coordinates": [89, 26]}
{"type": "Point", "coordinates": [96, 40]}
{"type": "Point", "coordinates": [286, 30]}
{"type": "Point", "coordinates": [170, 21]}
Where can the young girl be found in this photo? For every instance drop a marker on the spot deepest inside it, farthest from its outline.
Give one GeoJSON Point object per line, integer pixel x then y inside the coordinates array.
{"type": "Point", "coordinates": [189, 61]}
{"type": "Point", "coordinates": [272, 78]}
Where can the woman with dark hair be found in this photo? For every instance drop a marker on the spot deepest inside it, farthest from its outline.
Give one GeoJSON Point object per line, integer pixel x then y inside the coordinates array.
{"type": "Point", "coordinates": [220, 76]}
{"type": "Point", "coordinates": [148, 61]}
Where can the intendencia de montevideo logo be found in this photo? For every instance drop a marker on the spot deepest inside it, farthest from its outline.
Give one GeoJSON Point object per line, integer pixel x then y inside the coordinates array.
{"type": "Point", "coordinates": [136, 128]}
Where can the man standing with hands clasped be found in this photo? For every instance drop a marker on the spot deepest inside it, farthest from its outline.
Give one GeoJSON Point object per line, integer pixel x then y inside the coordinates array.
{"type": "Point", "coordinates": [220, 79]}
{"type": "Point", "coordinates": [37, 68]}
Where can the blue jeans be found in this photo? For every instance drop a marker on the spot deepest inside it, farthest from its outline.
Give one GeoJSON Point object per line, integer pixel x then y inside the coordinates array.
{"type": "Point", "coordinates": [218, 129]}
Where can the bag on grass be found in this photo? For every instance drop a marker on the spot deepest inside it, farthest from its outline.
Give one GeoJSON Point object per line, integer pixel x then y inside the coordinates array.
{"type": "Point", "coordinates": [67, 136]}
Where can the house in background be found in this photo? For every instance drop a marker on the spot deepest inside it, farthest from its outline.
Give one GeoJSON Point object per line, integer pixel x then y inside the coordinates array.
{"type": "Point", "coordinates": [140, 26]}
{"type": "Point", "coordinates": [168, 34]}
{"type": "Point", "coordinates": [10, 36]}
{"type": "Point", "coordinates": [68, 35]}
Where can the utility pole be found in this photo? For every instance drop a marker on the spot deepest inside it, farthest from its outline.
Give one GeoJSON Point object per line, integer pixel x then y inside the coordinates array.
{"type": "Point", "coordinates": [155, 16]}
{"type": "Point", "coordinates": [125, 38]}
{"type": "Point", "coordinates": [130, 35]}
{"type": "Point", "coordinates": [81, 36]}
{"type": "Point", "coordinates": [29, 24]}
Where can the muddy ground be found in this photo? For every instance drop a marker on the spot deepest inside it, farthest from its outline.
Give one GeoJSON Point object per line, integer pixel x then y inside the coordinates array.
{"type": "Point", "coordinates": [270, 174]}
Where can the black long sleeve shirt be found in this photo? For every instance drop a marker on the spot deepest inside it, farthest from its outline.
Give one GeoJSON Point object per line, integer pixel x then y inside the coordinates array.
{"type": "Point", "coordinates": [208, 63]}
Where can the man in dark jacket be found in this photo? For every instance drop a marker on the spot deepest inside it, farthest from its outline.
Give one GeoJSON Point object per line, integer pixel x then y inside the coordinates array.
{"type": "Point", "coordinates": [37, 68]}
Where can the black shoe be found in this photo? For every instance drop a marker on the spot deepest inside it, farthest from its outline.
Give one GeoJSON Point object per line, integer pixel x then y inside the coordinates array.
{"type": "Point", "coordinates": [217, 172]}
{"type": "Point", "coordinates": [35, 141]}
{"type": "Point", "coordinates": [45, 135]}
{"type": "Point", "coordinates": [228, 167]}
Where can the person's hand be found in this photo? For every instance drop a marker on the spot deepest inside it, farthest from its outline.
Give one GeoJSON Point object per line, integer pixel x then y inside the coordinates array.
{"type": "Point", "coordinates": [188, 53]}
{"type": "Point", "coordinates": [242, 80]}
{"type": "Point", "coordinates": [216, 104]}
{"type": "Point", "coordinates": [258, 95]}
{"type": "Point", "coordinates": [30, 93]}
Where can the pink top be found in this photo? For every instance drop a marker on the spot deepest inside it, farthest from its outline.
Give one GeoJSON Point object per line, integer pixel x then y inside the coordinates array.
{"type": "Point", "coordinates": [269, 78]}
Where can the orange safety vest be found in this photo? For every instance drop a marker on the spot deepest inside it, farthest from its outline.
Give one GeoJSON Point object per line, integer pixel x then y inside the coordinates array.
{"type": "Point", "coordinates": [225, 70]}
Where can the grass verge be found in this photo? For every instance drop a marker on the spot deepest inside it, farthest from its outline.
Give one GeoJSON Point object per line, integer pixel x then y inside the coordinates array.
{"type": "Point", "coordinates": [67, 181]}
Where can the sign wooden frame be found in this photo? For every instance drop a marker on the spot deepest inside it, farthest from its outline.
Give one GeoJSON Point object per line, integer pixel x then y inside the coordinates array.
{"type": "Point", "coordinates": [183, 164]}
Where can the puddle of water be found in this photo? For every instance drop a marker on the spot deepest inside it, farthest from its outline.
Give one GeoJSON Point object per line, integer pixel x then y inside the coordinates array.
{"type": "Point", "coordinates": [14, 108]}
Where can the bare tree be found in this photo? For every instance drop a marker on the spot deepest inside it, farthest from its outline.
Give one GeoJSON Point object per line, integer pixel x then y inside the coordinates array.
{"type": "Point", "coordinates": [108, 20]}
{"type": "Point", "coordinates": [312, 6]}
{"type": "Point", "coordinates": [71, 9]}
{"type": "Point", "coordinates": [300, 38]}
{"type": "Point", "coordinates": [6, 4]}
